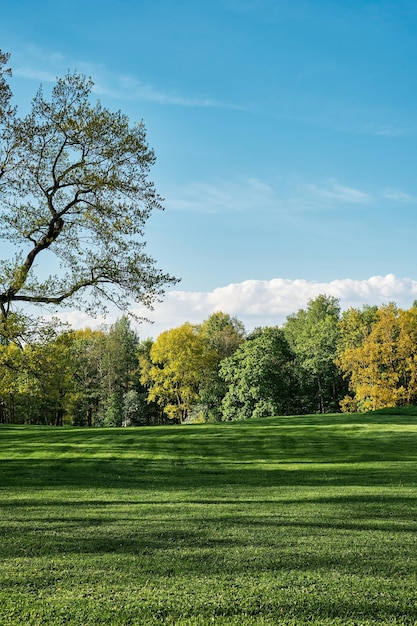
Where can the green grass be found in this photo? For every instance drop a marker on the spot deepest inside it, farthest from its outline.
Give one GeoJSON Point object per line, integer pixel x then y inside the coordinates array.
{"type": "Point", "coordinates": [292, 521]}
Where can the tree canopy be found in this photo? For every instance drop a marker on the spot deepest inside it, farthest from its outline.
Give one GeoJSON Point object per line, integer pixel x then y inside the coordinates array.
{"type": "Point", "coordinates": [380, 359]}
{"type": "Point", "coordinates": [5, 92]}
{"type": "Point", "coordinates": [75, 194]}
{"type": "Point", "coordinates": [365, 360]}
{"type": "Point", "coordinates": [313, 334]}
{"type": "Point", "coordinates": [178, 361]}
{"type": "Point", "coordinates": [258, 376]}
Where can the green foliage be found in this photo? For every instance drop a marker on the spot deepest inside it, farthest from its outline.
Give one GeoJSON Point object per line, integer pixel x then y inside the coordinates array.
{"type": "Point", "coordinates": [37, 382]}
{"type": "Point", "coordinates": [211, 372]}
{"type": "Point", "coordinates": [313, 335]}
{"type": "Point", "coordinates": [120, 355]}
{"type": "Point", "coordinates": [73, 183]}
{"type": "Point", "coordinates": [223, 334]}
{"type": "Point", "coordinates": [85, 377]}
{"type": "Point", "coordinates": [89, 349]}
{"type": "Point", "coordinates": [134, 408]}
{"type": "Point", "coordinates": [258, 376]}
{"type": "Point", "coordinates": [293, 521]}
{"type": "Point", "coordinates": [355, 326]}
{"type": "Point", "coordinates": [114, 410]}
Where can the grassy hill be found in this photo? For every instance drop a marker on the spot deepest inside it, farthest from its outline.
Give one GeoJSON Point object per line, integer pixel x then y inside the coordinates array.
{"type": "Point", "coordinates": [295, 520]}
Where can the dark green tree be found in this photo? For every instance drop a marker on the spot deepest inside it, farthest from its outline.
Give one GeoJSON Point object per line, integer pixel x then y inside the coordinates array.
{"type": "Point", "coordinates": [223, 335]}
{"type": "Point", "coordinates": [313, 335]}
{"type": "Point", "coordinates": [114, 410]}
{"type": "Point", "coordinates": [258, 376]}
{"type": "Point", "coordinates": [89, 348]}
{"type": "Point", "coordinates": [121, 356]}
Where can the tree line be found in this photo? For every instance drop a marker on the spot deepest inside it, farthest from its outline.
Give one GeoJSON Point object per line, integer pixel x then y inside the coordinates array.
{"type": "Point", "coordinates": [320, 360]}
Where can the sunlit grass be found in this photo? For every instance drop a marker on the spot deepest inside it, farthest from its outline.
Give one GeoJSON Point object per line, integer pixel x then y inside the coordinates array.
{"type": "Point", "coordinates": [295, 520]}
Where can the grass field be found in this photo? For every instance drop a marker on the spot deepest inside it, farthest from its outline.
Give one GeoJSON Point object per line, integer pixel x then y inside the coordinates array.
{"type": "Point", "coordinates": [295, 520]}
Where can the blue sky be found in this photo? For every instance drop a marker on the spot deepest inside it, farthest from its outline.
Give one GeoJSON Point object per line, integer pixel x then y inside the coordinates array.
{"type": "Point", "coordinates": [285, 133]}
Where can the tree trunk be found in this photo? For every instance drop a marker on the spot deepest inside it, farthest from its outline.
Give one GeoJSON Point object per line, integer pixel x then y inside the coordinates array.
{"type": "Point", "coordinates": [59, 417]}
{"type": "Point", "coordinates": [321, 400]}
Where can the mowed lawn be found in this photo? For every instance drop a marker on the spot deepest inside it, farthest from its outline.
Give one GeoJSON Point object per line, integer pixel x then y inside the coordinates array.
{"type": "Point", "coordinates": [292, 520]}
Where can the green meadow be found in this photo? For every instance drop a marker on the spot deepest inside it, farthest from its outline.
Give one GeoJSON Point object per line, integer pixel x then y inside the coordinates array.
{"type": "Point", "coordinates": [292, 521]}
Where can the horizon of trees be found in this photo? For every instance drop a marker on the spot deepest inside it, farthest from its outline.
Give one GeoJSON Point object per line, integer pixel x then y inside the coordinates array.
{"type": "Point", "coordinates": [320, 360]}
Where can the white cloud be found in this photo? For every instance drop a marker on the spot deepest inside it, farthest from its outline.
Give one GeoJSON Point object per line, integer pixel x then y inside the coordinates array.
{"type": "Point", "coordinates": [42, 76]}
{"type": "Point", "coordinates": [335, 193]}
{"type": "Point", "coordinates": [128, 88]}
{"type": "Point", "coordinates": [242, 195]}
{"type": "Point", "coordinates": [398, 196]}
{"type": "Point", "coordinates": [45, 67]}
{"type": "Point", "coordinates": [261, 302]}
{"type": "Point", "coordinates": [287, 197]}
{"type": "Point", "coordinates": [80, 319]}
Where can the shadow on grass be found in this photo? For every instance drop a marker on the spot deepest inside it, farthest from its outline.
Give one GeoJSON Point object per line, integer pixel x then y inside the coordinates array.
{"type": "Point", "coordinates": [205, 503]}
{"type": "Point", "coordinates": [165, 475]}
{"type": "Point", "coordinates": [334, 439]}
{"type": "Point", "coordinates": [185, 544]}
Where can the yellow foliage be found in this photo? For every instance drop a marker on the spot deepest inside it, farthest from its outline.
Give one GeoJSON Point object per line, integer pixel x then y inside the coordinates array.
{"type": "Point", "coordinates": [382, 364]}
{"type": "Point", "coordinates": [179, 360]}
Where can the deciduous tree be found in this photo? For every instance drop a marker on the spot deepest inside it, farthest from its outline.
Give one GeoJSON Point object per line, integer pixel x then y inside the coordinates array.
{"type": "Point", "coordinates": [179, 360]}
{"type": "Point", "coordinates": [313, 335]}
{"type": "Point", "coordinates": [258, 376]}
{"type": "Point", "coordinates": [89, 348]}
{"type": "Point", "coordinates": [223, 334]}
{"type": "Point", "coordinates": [74, 187]}
{"type": "Point", "coordinates": [382, 367]}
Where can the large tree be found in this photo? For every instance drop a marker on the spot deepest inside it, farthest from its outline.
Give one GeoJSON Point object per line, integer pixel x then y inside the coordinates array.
{"type": "Point", "coordinates": [74, 197]}
{"type": "Point", "coordinates": [259, 376]}
{"type": "Point", "coordinates": [313, 334]}
{"type": "Point", "coordinates": [178, 361]}
{"type": "Point", "coordinates": [381, 364]}
{"type": "Point", "coordinates": [223, 334]}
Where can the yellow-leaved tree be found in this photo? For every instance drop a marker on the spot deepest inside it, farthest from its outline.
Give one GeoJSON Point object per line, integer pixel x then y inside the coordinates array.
{"type": "Point", "coordinates": [178, 361]}
{"type": "Point", "coordinates": [378, 357]}
{"type": "Point", "coordinates": [10, 379]}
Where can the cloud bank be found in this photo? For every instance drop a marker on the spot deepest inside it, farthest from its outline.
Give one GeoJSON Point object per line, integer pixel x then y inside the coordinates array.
{"type": "Point", "coordinates": [265, 302]}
